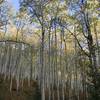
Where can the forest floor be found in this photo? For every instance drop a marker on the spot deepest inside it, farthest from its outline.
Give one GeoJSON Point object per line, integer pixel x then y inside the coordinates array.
{"type": "Point", "coordinates": [26, 93]}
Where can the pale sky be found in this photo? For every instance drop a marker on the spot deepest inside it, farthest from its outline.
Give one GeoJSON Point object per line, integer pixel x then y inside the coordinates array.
{"type": "Point", "coordinates": [14, 3]}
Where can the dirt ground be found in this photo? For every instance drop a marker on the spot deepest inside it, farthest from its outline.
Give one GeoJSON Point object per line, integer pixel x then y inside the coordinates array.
{"type": "Point", "coordinates": [25, 93]}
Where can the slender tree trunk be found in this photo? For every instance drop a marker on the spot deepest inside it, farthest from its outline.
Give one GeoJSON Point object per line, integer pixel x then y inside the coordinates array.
{"type": "Point", "coordinates": [92, 56]}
